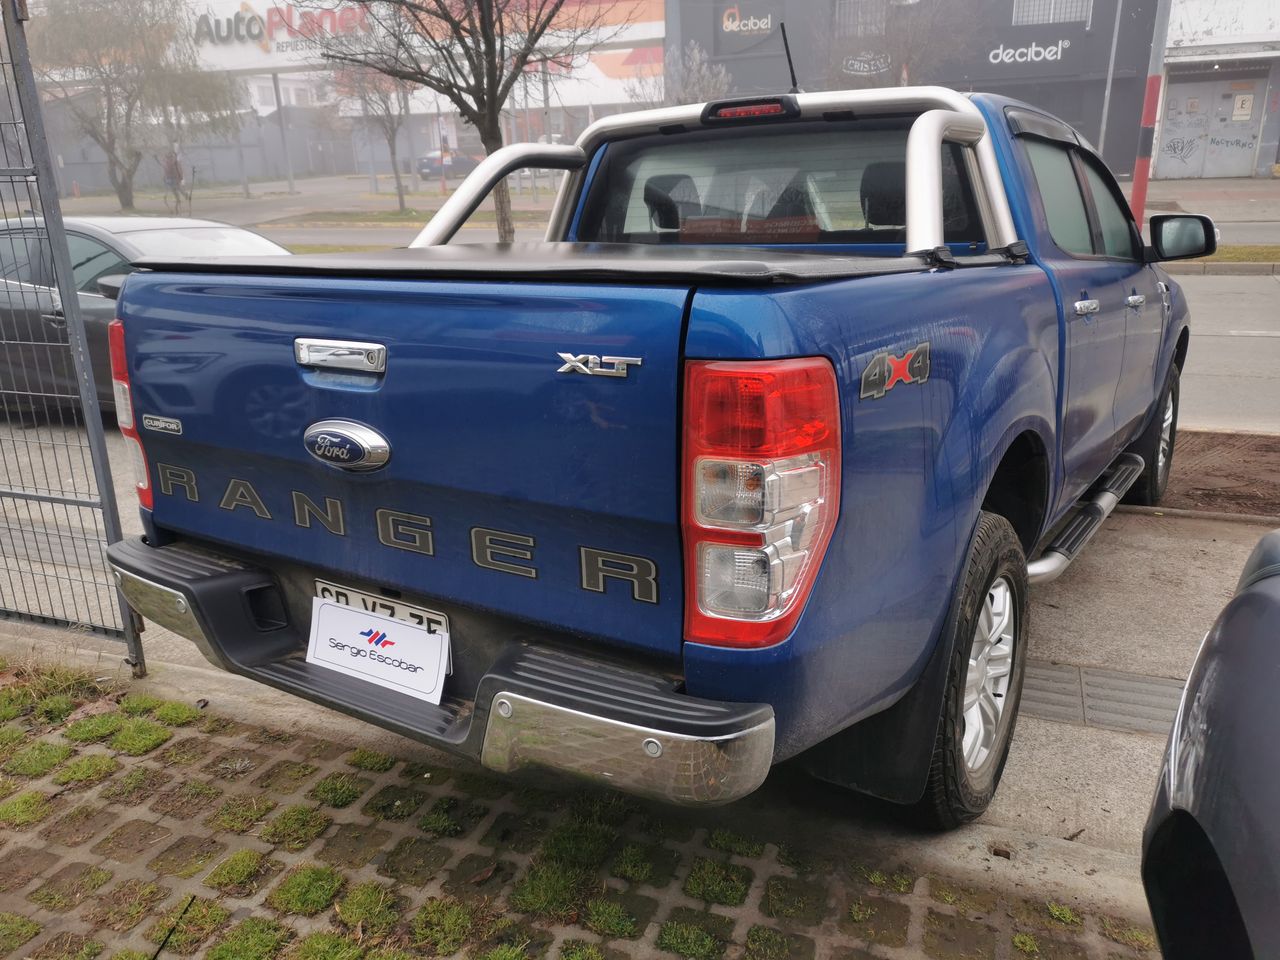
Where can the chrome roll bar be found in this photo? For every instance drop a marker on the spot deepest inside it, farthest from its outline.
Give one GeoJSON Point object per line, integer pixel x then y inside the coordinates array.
{"type": "Point", "coordinates": [472, 191]}
{"type": "Point", "coordinates": [943, 116]}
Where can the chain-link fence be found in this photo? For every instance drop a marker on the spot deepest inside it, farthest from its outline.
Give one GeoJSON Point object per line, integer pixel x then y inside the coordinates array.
{"type": "Point", "coordinates": [57, 506]}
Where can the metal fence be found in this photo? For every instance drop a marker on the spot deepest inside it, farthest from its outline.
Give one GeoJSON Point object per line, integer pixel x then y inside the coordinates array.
{"type": "Point", "coordinates": [57, 507]}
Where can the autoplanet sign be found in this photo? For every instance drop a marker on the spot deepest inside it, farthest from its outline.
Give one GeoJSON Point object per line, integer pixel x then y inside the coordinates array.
{"type": "Point", "coordinates": [1032, 53]}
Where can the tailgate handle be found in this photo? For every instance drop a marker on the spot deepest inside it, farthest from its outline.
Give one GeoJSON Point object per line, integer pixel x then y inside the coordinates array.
{"type": "Point", "coordinates": [340, 355]}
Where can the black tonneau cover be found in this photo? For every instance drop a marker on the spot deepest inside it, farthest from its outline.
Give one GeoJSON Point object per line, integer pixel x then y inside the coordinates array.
{"type": "Point", "coordinates": [601, 262]}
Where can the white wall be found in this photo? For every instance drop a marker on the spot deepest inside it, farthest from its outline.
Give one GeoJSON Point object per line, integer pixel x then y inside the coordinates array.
{"type": "Point", "coordinates": [1194, 23]}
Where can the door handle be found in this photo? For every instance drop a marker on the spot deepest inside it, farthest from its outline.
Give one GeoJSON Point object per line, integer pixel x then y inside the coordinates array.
{"type": "Point", "coordinates": [340, 355]}
{"type": "Point", "coordinates": [58, 319]}
{"type": "Point", "coordinates": [1086, 307]}
{"type": "Point", "coordinates": [1136, 300]}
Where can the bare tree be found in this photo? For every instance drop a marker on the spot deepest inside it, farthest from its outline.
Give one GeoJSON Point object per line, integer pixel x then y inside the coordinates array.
{"type": "Point", "coordinates": [384, 102]}
{"type": "Point", "coordinates": [472, 52]}
{"type": "Point", "coordinates": [886, 43]}
{"type": "Point", "coordinates": [128, 73]}
{"type": "Point", "coordinates": [688, 76]}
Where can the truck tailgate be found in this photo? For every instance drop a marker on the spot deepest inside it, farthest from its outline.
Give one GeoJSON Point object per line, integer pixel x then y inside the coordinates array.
{"type": "Point", "coordinates": [486, 434]}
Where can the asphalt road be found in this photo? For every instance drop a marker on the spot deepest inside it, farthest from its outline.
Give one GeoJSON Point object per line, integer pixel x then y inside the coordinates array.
{"type": "Point", "coordinates": [1232, 376]}
{"type": "Point", "coordinates": [1258, 231]}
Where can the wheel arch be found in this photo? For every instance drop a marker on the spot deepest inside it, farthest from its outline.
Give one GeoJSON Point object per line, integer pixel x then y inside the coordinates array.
{"type": "Point", "coordinates": [1019, 486]}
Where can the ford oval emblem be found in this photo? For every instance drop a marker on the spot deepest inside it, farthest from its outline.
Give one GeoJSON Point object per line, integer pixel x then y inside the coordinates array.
{"type": "Point", "coordinates": [347, 444]}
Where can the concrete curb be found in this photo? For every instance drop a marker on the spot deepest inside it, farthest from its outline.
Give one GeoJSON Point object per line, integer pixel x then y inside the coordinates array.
{"type": "Point", "coordinates": [1264, 521]}
{"type": "Point", "coordinates": [1222, 269]}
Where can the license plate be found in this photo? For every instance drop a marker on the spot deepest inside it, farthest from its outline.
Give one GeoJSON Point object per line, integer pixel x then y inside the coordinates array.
{"type": "Point", "coordinates": [382, 650]}
{"type": "Point", "coordinates": [383, 606]}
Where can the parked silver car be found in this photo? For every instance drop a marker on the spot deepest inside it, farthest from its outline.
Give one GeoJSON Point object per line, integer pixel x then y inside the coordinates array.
{"type": "Point", "coordinates": [1211, 851]}
{"type": "Point", "coordinates": [35, 365]}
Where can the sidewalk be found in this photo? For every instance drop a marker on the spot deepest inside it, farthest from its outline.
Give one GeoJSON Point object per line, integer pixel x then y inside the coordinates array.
{"type": "Point", "coordinates": [257, 822]}
{"type": "Point", "coordinates": [1243, 200]}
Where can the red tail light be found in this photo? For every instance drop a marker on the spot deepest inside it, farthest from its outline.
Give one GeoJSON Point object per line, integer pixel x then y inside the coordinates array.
{"type": "Point", "coordinates": [761, 482]}
{"type": "Point", "coordinates": [124, 411]}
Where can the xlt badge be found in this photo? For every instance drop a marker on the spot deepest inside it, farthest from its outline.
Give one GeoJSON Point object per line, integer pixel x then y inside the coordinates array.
{"type": "Point", "coordinates": [347, 444]}
{"type": "Point", "coordinates": [593, 366]}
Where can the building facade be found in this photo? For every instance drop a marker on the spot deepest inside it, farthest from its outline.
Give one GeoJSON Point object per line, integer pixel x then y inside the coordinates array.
{"type": "Point", "coordinates": [1220, 115]}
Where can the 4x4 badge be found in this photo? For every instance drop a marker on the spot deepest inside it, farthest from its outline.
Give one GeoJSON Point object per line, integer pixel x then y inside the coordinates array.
{"type": "Point", "coordinates": [886, 371]}
{"type": "Point", "coordinates": [593, 366]}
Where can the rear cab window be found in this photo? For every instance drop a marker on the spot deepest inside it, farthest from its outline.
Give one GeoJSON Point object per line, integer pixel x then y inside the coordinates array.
{"type": "Point", "coordinates": [841, 182]}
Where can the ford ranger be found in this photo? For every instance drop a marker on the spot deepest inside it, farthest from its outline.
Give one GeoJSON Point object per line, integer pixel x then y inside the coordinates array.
{"type": "Point", "coordinates": [753, 458]}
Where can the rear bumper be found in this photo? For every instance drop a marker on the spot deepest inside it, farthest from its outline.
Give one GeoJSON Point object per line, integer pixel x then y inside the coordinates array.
{"type": "Point", "coordinates": [534, 707]}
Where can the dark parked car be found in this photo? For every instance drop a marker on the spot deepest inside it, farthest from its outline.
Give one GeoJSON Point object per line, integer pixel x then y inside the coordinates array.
{"type": "Point", "coordinates": [35, 365]}
{"type": "Point", "coordinates": [458, 165]}
{"type": "Point", "coordinates": [1211, 852]}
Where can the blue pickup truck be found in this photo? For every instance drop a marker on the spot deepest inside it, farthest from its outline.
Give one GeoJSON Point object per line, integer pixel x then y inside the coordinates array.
{"type": "Point", "coordinates": [753, 458]}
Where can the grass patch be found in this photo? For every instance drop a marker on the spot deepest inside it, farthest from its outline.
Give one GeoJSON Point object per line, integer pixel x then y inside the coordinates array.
{"type": "Point", "coordinates": [306, 890]}
{"type": "Point", "coordinates": [633, 863]}
{"type": "Point", "coordinates": [726, 841]}
{"type": "Point", "coordinates": [254, 939]}
{"type": "Point", "coordinates": [174, 714]}
{"type": "Point", "coordinates": [689, 940]}
{"type": "Point", "coordinates": [339, 789]}
{"type": "Point", "coordinates": [45, 681]}
{"type": "Point", "coordinates": [448, 817]}
{"type": "Point", "coordinates": [1026, 944]}
{"type": "Point", "coordinates": [15, 931]}
{"type": "Point", "coordinates": [139, 704]}
{"type": "Point", "coordinates": [137, 736]}
{"type": "Point", "coordinates": [551, 890]}
{"type": "Point", "coordinates": [69, 946]}
{"type": "Point", "coordinates": [14, 701]}
{"type": "Point", "coordinates": [239, 814]}
{"type": "Point", "coordinates": [580, 950]}
{"type": "Point", "coordinates": [55, 708]}
{"type": "Point", "coordinates": [61, 894]}
{"type": "Point", "coordinates": [191, 925]}
{"type": "Point", "coordinates": [370, 909]}
{"type": "Point", "coordinates": [1127, 935]}
{"type": "Point", "coordinates": [860, 912]}
{"type": "Point", "coordinates": [581, 844]}
{"type": "Point", "coordinates": [124, 907]}
{"type": "Point", "coordinates": [394, 802]}
{"type": "Point", "coordinates": [10, 737]}
{"type": "Point", "coordinates": [1244, 253]}
{"type": "Point", "coordinates": [899, 882]}
{"type": "Point", "coordinates": [7, 786]}
{"type": "Point", "coordinates": [443, 925]}
{"type": "Point", "coordinates": [504, 951]}
{"type": "Point", "coordinates": [609, 919]}
{"type": "Point", "coordinates": [37, 759]}
{"type": "Point", "coordinates": [239, 875]}
{"type": "Point", "coordinates": [326, 946]}
{"type": "Point", "coordinates": [89, 769]}
{"type": "Point", "coordinates": [136, 786]}
{"type": "Point", "coordinates": [765, 943]}
{"type": "Point", "coordinates": [24, 809]}
{"type": "Point", "coordinates": [1063, 914]}
{"type": "Point", "coordinates": [612, 809]}
{"type": "Point", "coordinates": [296, 827]}
{"type": "Point", "coordinates": [95, 728]}
{"type": "Point", "coordinates": [717, 882]}
{"type": "Point", "coordinates": [371, 760]}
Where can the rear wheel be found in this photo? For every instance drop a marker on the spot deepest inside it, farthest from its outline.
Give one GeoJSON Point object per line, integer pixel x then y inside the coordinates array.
{"type": "Point", "coordinates": [1155, 446]}
{"type": "Point", "coordinates": [984, 678]}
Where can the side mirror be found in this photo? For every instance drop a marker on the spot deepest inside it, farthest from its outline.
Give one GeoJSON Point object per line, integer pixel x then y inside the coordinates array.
{"type": "Point", "coordinates": [110, 286]}
{"type": "Point", "coordinates": [1177, 236]}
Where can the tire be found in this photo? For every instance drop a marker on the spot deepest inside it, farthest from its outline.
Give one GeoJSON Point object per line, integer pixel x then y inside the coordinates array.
{"type": "Point", "coordinates": [1149, 488]}
{"type": "Point", "coordinates": [968, 758]}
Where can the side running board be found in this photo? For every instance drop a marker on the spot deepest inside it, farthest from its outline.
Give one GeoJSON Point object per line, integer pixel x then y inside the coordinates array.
{"type": "Point", "coordinates": [1066, 546]}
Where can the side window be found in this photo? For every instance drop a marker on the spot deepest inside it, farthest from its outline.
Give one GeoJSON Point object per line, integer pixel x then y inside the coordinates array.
{"type": "Point", "coordinates": [1113, 219]}
{"type": "Point", "coordinates": [91, 260]}
{"type": "Point", "coordinates": [24, 259]}
{"type": "Point", "coordinates": [1063, 204]}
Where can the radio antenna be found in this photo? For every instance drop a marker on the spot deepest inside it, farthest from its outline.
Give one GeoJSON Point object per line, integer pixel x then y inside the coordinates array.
{"type": "Point", "coordinates": [786, 47]}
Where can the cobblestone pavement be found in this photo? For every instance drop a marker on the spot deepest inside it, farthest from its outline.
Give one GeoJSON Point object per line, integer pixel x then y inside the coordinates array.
{"type": "Point", "coordinates": [132, 827]}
